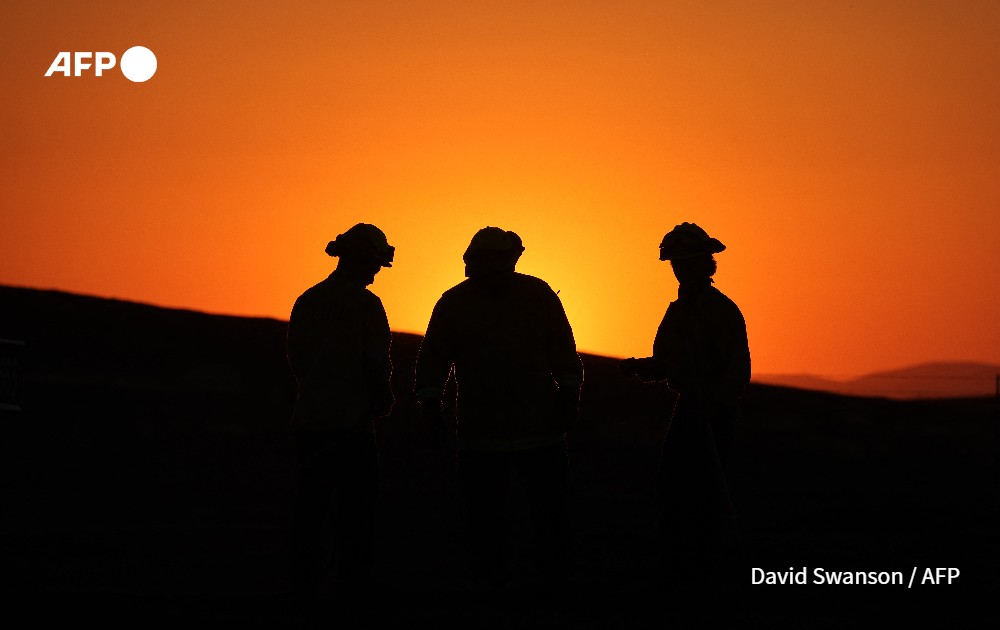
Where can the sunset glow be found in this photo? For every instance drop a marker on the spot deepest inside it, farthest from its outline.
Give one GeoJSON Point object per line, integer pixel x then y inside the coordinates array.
{"type": "Point", "coordinates": [847, 155]}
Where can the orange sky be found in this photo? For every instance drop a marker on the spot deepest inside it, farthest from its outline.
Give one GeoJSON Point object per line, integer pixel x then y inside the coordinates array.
{"type": "Point", "coordinates": [849, 156]}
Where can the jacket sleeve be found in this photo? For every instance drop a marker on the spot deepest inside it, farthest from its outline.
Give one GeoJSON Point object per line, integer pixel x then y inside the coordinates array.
{"type": "Point", "coordinates": [435, 357]}
{"type": "Point", "coordinates": [664, 364]}
{"type": "Point", "coordinates": [736, 374]}
{"type": "Point", "coordinates": [377, 361]}
{"type": "Point", "coordinates": [567, 369]}
{"type": "Point", "coordinates": [303, 322]}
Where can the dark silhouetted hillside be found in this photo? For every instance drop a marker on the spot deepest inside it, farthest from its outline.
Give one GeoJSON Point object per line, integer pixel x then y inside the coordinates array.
{"type": "Point", "coordinates": [148, 480]}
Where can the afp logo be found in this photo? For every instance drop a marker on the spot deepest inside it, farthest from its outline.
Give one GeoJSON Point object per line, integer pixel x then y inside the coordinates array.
{"type": "Point", "coordinates": [138, 64]}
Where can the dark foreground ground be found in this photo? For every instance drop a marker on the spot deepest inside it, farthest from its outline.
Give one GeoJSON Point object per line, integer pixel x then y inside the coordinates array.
{"type": "Point", "coordinates": [147, 483]}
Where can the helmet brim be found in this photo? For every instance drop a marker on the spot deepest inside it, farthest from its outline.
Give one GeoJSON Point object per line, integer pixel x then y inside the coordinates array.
{"type": "Point", "coordinates": [679, 251]}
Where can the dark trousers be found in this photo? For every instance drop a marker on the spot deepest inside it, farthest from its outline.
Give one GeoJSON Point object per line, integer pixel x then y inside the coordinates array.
{"type": "Point", "coordinates": [333, 513]}
{"type": "Point", "coordinates": [542, 474]}
{"type": "Point", "coordinates": [697, 522]}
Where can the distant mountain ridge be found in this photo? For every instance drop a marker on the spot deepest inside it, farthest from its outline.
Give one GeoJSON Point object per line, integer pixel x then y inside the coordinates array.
{"type": "Point", "coordinates": [940, 379]}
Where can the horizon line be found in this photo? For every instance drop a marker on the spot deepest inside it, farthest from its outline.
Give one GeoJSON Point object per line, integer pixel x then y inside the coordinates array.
{"type": "Point", "coordinates": [830, 377]}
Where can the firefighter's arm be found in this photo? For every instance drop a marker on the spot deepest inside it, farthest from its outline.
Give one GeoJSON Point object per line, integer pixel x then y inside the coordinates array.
{"type": "Point", "coordinates": [660, 366]}
{"type": "Point", "coordinates": [736, 374]}
{"type": "Point", "coordinates": [378, 364]}
{"type": "Point", "coordinates": [434, 358]}
{"type": "Point", "coordinates": [302, 340]}
{"type": "Point", "coordinates": [567, 369]}
{"type": "Point", "coordinates": [433, 367]}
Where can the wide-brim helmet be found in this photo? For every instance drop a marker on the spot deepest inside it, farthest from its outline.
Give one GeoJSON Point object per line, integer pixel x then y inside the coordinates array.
{"type": "Point", "coordinates": [686, 241]}
{"type": "Point", "coordinates": [363, 242]}
{"type": "Point", "coordinates": [493, 241]}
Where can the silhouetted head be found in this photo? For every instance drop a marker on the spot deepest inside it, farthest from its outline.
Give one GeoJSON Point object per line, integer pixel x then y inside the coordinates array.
{"type": "Point", "coordinates": [694, 269]}
{"type": "Point", "coordinates": [689, 250]}
{"type": "Point", "coordinates": [363, 250]}
{"type": "Point", "coordinates": [492, 250]}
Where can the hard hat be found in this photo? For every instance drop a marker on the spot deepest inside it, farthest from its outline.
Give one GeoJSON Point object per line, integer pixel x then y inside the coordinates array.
{"type": "Point", "coordinates": [687, 240]}
{"type": "Point", "coordinates": [363, 241]}
{"type": "Point", "coordinates": [493, 240]}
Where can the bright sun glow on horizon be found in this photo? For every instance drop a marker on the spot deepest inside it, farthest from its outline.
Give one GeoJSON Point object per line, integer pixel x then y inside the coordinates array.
{"type": "Point", "coordinates": [846, 155]}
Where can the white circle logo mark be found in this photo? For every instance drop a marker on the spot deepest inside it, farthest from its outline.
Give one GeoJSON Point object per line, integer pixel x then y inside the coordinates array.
{"type": "Point", "coordinates": [138, 64]}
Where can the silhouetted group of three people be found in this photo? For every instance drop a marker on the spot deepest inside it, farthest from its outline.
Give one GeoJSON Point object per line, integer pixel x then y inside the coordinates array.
{"type": "Point", "coordinates": [505, 339]}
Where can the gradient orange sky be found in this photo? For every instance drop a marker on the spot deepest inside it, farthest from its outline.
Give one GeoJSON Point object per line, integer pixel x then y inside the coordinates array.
{"type": "Point", "coordinates": [848, 156]}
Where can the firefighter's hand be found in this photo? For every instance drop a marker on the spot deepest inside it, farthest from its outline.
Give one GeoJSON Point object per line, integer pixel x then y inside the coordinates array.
{"type": "Point", "coordinates": [383, 404]}
{"type": "Point", "coordinates": [629, 366]}
{"type": "Point", "coordinates": [568, 407]}
{"type": "Point", "coordinates": [435, 426]}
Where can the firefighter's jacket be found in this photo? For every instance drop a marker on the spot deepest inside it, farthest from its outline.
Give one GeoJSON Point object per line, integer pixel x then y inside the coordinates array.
{"type": "Point", "coordinates": [701, 348]}
{"type": "Point", "coordinates": [338, 349]}
{"type": "Point", "coordinates": [507, 337]}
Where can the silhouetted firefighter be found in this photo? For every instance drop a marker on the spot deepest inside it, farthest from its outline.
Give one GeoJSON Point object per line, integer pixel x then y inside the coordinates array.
{"type": "Point", "coordinates": [338, 348]}
{"type": "Point", "coordinates": [518, 379]}
{"type": "Point", "coordinates": [701, 351]}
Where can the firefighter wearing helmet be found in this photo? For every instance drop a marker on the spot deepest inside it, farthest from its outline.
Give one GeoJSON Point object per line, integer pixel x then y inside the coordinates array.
{"type": "Point", "coordinates": [701, 352]}
{"type": "Point", "coordinates": [338, 349]}
{"type": "Point", "coordinates": [505, 339]}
